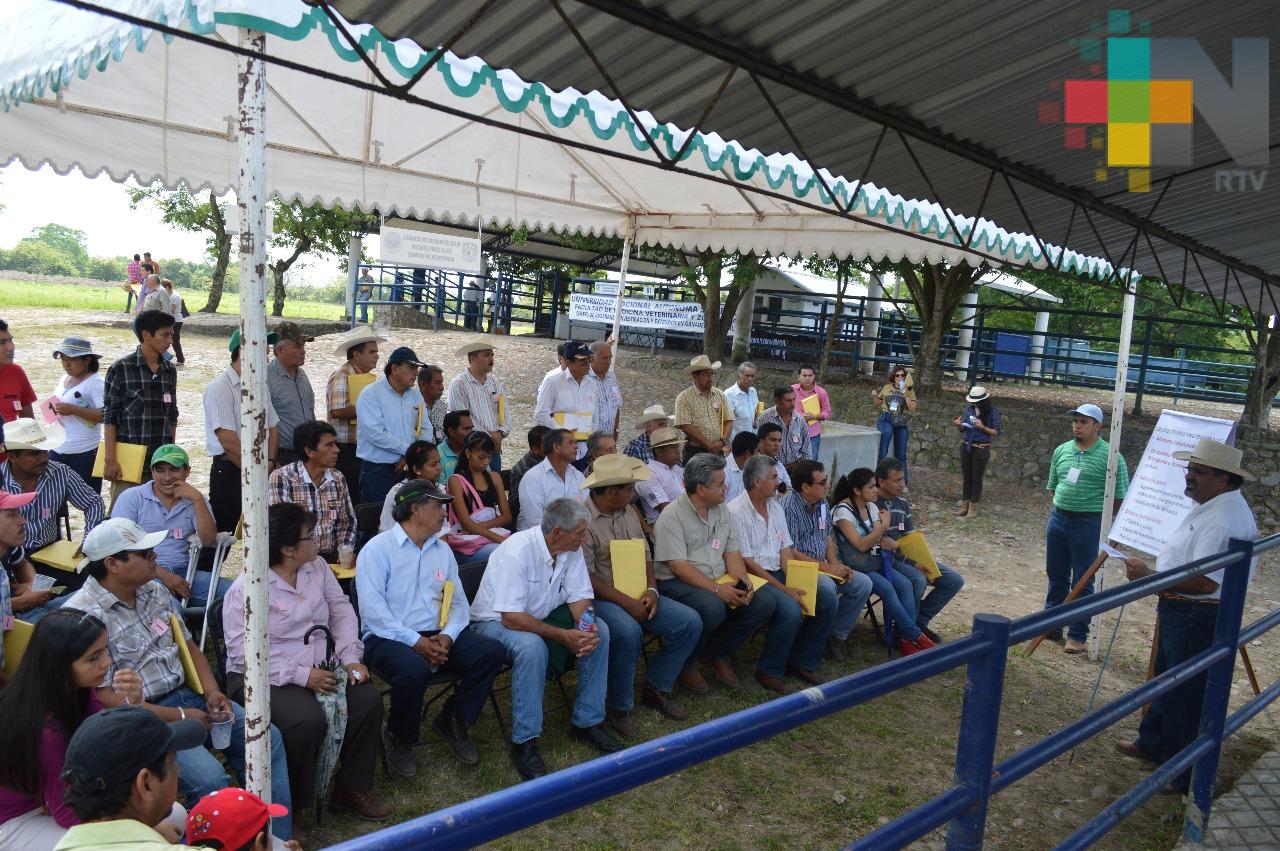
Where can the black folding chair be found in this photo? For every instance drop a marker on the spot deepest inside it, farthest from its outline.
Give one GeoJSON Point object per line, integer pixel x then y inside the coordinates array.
{"type": "Point", "coordinates": [368, 515]}
{"type": "Point", "coordinates": [218, 642]}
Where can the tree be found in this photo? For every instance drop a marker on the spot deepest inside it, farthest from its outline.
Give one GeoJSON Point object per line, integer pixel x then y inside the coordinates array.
{"type": "Point", "coordinates": [703, 272]}
{"type": "Point", "coordinates": [846, 272]}
{"type": "Point", "coordinates": [300, 229]}
{"type": "Point", "coordinates": [1264, 381]}
{"type": "Point", "coordinates": [936, 291]}
{"type": "Point", "coordinates": [184, 211]}
{"type": "Point", "coordinates": [71, 242]}
{"type": "Point", "coordinates": [41, 258]}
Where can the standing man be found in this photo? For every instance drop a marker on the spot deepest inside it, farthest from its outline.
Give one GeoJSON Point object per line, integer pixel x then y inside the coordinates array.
{"type": "Point", "coordinates": [133, 270]}
{"type": "Point", "coordinates": [795, 431]}
{"type": "Point", "coordinates": [1188, 612]}
{"type": "Point", "coordinates": [314, 483]}
{"type": "Point", "coordinates": [702, 412]}
{"type": "Point", "coordinates": [431, 386]}
{"type": "Point", "coordinates": [222, 438]}
{"type": "Point", "coordinates": [290, 388]}
{"type": "Point", "coordinates": [665, 482]}
{"type": "Point", "coordinates": [457, 425]}
{"type": "Point", "coordinates": [806, 386]}
{"type": "Point", "coordinates": [1078, 479]}
{"type": "Point", "coordinates": [553, 478]}
{"type": "Point", "coordinates": [606, 392]}
{"type": "Point", "coordinates": [477, 390]}
{"type": "Point", "coordinates": [390, 415]}
{"type": "Point", "coordinates": [16, 393]}
{"type": "Point", "coordinates": [409, 636]}
{"type": "Point", "coordinates": [530, 575]}
{"type": "Point", "coordinates": [360, 349]}
{"type": "Point", "coordinates": [140, 397]}
{"type": "Point", "coordinates": [743, 400]}
{"type": "Point", "coordinates": [612, 485]}
{"type": "Point", "coordinates": [567, 400]}
{"type": "Point", "coordinates": [652, 419]}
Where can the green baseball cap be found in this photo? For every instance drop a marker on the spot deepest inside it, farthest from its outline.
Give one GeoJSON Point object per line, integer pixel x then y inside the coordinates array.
{"type": "Point", "coordinates": [171, 454]}
{"type": "Point", "coordinates": [272, 339]}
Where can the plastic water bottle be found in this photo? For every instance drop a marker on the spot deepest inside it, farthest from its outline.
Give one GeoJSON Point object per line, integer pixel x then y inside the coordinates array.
{"type": "Point", "coordinates": [587, 623]}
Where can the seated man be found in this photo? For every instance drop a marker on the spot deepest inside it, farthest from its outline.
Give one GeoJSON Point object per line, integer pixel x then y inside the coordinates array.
{"type": "Point", "coordinates": [741, 448]}
{"type": "Point", "coordinates": [598, 443]}
{"type": "Point", "coordinates": [457, 425]}
{"type": "Point", "coordinates": [612, 485]}
{"type": "Point", "coordinates": [313, 481]}
{"type": "Point", "coordinates": [809, 524]}
{"type": "Point", "coordinates": [651, 419]}
{"type": "Point", "coordinates": [554, 477]}
{"type": "Point", "coordinates": [530, 575]}
{"type": "Point", "coordinates": [695, 546]}
{"type": "Point", "coordinates": [29, 470]}
{"type": "Point", "coordinates": [120, 776]}
{"type": "Point", "coordinates": [666, 477]}
{"type": "Point", "coordinates": [527, 462]}
{"type": "Point", "coordinates": [120, 560]}
{"type": "Point", "coordinates": [891, 478]}
{"type": "Point", "coordinates": [770, 446]}
{"type": "Point", "coordinates": [766, 550]}
{"type": "Point", "coordinates": [400, 583]}
{"type": "Point", "coordinates": [15, 581]}
{"type": "Point", "coordinates": [169, 504]}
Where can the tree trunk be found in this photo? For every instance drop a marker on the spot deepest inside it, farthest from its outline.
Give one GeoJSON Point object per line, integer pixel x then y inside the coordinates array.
{"type": "Point", "coordinates": [1264, 381]}
{"type": "Point", "coordinates": [936, 292]}
{"type": "Point", "coordinates": [744, 317]}
{"type": "Point", "coordinates": [278, 269]}
{"type": "Point", "coordinates": [842, 284]}
{"type": "Point", "coordinates": [222, 255]}
{"type": "Point", "coordinates": [712, 340]}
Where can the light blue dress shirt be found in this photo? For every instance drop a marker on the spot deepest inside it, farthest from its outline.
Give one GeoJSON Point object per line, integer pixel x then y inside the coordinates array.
{"type": "Point", "coordinates": [400, 587]}
{"type": "Point", "coordinates": [142, 506]}
{"type": "Point", "coordinates": [387, 422]}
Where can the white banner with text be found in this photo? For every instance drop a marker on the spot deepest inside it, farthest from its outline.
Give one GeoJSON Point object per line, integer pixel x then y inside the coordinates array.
{"type": "Point", "coordinates": [423, 249]}
{"type": "Point", "coordinates": [637, 312]}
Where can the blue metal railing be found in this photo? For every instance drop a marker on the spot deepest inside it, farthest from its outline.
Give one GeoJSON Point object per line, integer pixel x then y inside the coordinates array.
{"type": "Point", "coordinates": [977, 777]}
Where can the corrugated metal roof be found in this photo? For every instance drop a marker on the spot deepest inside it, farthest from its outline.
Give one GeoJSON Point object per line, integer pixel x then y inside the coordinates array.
{"type": "Point", "coordinates": [979, 73]}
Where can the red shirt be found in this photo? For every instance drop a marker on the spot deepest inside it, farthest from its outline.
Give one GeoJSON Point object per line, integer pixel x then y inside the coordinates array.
{"type": "Point", "coordinates": [15, 392]}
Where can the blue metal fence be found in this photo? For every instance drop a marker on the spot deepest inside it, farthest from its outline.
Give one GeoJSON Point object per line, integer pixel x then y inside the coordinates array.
{"type": "Point", "coordinates": [977, 776]}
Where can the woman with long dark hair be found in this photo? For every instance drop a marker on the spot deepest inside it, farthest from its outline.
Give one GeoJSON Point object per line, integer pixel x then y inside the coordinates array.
{"type": "Point", "coordinates": [51, 693]}
{"type": "Point", "coordinates": [978, 427]}
{"type": "Point", "coordinates": [479, 514]}
{"type": "Point", "coordinates": [860, 532]}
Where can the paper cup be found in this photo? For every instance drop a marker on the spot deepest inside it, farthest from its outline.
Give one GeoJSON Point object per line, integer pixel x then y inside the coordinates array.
{"type": "Point", "coordinates": [220, 730]}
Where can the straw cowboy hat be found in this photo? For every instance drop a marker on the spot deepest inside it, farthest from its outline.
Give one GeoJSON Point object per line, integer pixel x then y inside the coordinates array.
{"type": "Point", "coordinates": [616, 470]}
{"type": "Point", "coordinates": [651, 413]}
{"type": "Point", "coordinates": [665, 436]}
{"type": "Point", "coordinates": [475, 344]}
{"type": "Point", "coordinates": [1208, 452]}
{"type": "Point", "coordinates": [977, 393]}
{"type": "Point", "coordinates": [26, 433]}
{"type": "Point", "coordinates": [357, 336]}
{"type": "Point", "coordinates": [700, 363]}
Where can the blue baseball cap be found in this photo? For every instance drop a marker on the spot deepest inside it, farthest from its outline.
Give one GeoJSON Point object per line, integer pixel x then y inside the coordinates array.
{"type": "Point", "coordinates": [1091, 411]}
{"type": "Point", "coordinates": [404, 354]}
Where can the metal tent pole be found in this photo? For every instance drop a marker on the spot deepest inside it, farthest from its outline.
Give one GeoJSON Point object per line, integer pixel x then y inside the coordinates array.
{"type": "Point", "coordinates": [252, 201]}
{"type": "Point", "coordinates": [622, 288]}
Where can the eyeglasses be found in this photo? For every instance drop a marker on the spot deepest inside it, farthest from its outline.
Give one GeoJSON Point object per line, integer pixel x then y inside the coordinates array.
{"type": "Point", "coordinates": [820, 483]}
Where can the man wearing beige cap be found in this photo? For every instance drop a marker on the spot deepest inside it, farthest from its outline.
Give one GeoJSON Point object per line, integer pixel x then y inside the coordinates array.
{"type": "Point", "coordinates": [359, 348]}
{"type": "Point", "coordinates": [702, 412]}
{"type": "Point", "coordinates": [665, 482]}
{"type": "Point", "coordinates": [291, 393]}
{"type": "Point", "coordinates": [477, 390]}
{"type": "Point", "coordinates": [1188, 612]}
{"type": "Point", "coordinates": [653, 418]}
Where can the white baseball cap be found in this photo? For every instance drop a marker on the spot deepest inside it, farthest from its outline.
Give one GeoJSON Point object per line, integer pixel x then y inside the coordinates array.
{"type": "Point", "coordinates": [117, 535]}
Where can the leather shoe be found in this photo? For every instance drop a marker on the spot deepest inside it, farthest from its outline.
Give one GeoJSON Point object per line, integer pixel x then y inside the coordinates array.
{"type": "Point", "coordinates": [722, 670]}
{"type": "Point", "coordinates": [774, 684]}
{"type": "Point", "coordinates": [598, 737]}
{"type": "Point", "coordinates": [454, 732]}
{"type": "Point", "coordinates": [399, 757]}
{"type": "Point", "coordinates": [1131, 749]}
{"type": "Point", "coordinates": [661, 701]}
{"type": "Point", "coordinates": [623, 722]}
{"type": "Point", "coordinates": [809, 677]}
{"type": "Point", "coordinates": [363, 804]}
{"type": "Point", "coordinates": [1073, 647]}
{"type": "Point", "coordinates": [836, 651]}
{"type": "Point", "coordinates": [691, 678]}
{"type": "Point", "coordinates": [527, 760]}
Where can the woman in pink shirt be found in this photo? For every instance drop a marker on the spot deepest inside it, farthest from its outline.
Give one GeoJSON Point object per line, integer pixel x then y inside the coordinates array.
{"type": "Point", "coordinates": [52, 692]}
{"type": "Point", "coordinates": [304, 593]}
{"type": "Point", "coordinates": [808, 386]}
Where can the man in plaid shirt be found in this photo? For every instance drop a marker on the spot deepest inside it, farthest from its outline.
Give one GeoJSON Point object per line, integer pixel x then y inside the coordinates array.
{"type": "Point", "coordinates": [140, 397]}
{"type": "Point", "coordinates": [653, 418]}
{"type": "Point", "coordinates": [314, 483]}
{"type": "Point", "coordinates": [360, 348]}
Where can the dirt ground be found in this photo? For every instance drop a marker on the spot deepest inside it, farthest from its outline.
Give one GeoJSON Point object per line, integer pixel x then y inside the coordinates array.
{"type": "Point", "coordinates": [1000, 554]}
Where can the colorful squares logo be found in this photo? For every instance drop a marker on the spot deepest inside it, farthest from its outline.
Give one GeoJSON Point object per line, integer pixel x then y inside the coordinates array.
{"type": "Point", "coordinates": [1128, 144]}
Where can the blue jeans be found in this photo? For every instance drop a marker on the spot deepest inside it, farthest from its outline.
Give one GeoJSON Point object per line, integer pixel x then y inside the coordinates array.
{"type": "Point", "coordinates": [898, 596]}
{"type": "Point", "coordinates": [200, 587]}
{"type": "Point", "coordinates": [890, 433]}
{"type": "Point", "coordinates": [940, 593]}
{"type": "Point", "coordinates": [34, 615]}
{"type": "Point", "coordinates": [724, 630]}
{"type": "Point", "coordinates": [1071, 545]}
{"type": "Point", "coordinates": [852, 599]}
{"type": "Point", "coordinates": [812, 631]}
{"type": "Point", "coordinates": [675, 623]}
{"type": "Point", "coordinates": [479, 556]}
{"type": "Point", "coordinates": [376, 480]}
{"type": "Point", "coordinates": [200, 773]}
{"type": "Point", "coordinates": [495, 462]}
{"type": "Point", "coordinates": [814, 443]}
{"type": "Point", "coordinates": [527, 655]}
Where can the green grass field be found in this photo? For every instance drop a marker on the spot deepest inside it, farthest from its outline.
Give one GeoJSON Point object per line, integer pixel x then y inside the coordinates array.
{"type": "Point", "coordinates": [108, 297]}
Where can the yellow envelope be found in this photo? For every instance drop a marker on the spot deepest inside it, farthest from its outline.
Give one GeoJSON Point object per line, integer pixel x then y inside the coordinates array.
{"type": "Point", "coordinates": [578, 421]}
{"type": "Point", "coordinates": [757, 582]}
{"type": "Point", "coordinates": [59, 554]}
{"type": "Point", "coordinates": [630, 575]}
{"type": "Point", "coordinates": [356, 383]}
{"type": "Point", "coordinates": [913, 546]}
{"type": "Point", "coordinates": [446, 602]}
{"type": "Point", "coordinates": [811, 406]}
{"type": "Point", "coordinates": [188, 666]}
{"type": "Point", "coordinates": [759, 408]}
{"type": "Point", "coordinates": [502, 411]}
{"type": "Point", "coordinates": [15, 644]}
{"type": "Point", "coordinates": [340, 572]}
{"type": "Point", "coordinates": [804, 575]}
{"type": "Point", "coordinates": [418, 427]}
{"type": "Point", "coordinates": [132, 458]}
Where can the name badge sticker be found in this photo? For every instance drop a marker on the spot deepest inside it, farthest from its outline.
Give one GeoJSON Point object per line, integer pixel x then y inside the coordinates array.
{"type": "Point", "coordinates": [8, 623]}
{"type": "Point", "coordinates": [715, 543]}
{"type": "Point", "coordinates": [159, 627]}
{"type": "Point", "coordinates": [166, 398]}
{"type": "Point", "coordinates": [1073, 475]}
{"type": "Point", "coordinates": [902, 527]}
{"type": "Point", "coordinates": [439, 576]}
{"type": "Point", "coordinates": [177, 535]}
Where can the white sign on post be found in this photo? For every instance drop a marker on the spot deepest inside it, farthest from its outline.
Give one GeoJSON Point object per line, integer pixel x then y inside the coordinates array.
{"type": "Point", "coordinates": [423, 249]}
{"type": "Point", "coordinates": [1155, 503]}
{"type": "Point", "coordinates": [637, 312]}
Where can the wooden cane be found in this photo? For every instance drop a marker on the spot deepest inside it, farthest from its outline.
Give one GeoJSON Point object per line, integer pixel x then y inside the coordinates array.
{"type": "Point", "coordinates": [1075, 592]}
{"type": "Point", "coordinates": [1248, 669]}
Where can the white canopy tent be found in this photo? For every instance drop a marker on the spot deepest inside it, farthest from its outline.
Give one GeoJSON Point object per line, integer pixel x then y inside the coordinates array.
{"type": "Point", "coordinates": [104, 94]}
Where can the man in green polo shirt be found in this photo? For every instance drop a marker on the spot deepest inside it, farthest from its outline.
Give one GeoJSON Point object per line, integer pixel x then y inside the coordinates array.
{"type": "Point", "coordinates": [1078, 479]}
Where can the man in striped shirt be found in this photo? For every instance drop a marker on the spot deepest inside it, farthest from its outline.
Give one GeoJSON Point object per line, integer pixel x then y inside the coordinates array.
{"type": "Point", "coordinates": [29, 470]}
{"type": "Point", "coordinates": [795, 431]}
{"type": "Point", "coordinates": [360, 348]}
{"type": "Point", "coordinates": [477, 390]}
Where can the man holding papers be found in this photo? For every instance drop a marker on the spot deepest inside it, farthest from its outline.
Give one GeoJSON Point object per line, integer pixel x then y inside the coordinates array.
{"type": "Point", "coordinates": [390, 415]}
{"type": "Point", "coordinates": [795, 431]}
{"type": "Point", "coordinates": [477, 390]}
{"type": "Point", "coordinates": [814, 404]}
{"type": "Point", "coordinates": [567, 400]}
{"type": "Point", "coordinates": [627, 598]}
{"type": "Point", "coordinates": [360, 348]}
{"type": "Point", "coordinates": [413, 620]}
{"type": "Point", "coordinates": [806, 601]}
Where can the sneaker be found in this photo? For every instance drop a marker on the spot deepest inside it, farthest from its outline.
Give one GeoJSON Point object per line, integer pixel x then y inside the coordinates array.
{"type": "Point", "coordinates": [527, 760]}
{"type": "Point", "coordinates": [598, 737]}
{"type": "Point", "coordinates": [933, 636]}
{"type": "Point", "coordinates": [399, 757]}
{"type": "Point", "coordinates": [363, 804]}
{"type": "Point", "coordinates": [923, 642]}
{"type": "Point", "coordinates": [624, 722]}
{"type": "Point", "coordinates": [454, 732]}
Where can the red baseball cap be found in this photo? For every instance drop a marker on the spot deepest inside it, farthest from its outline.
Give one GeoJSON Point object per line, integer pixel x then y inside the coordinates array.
{"type": "Point", "coordinates": [16, 500]}
{"type": "Point", "coordinates": [232, 816]}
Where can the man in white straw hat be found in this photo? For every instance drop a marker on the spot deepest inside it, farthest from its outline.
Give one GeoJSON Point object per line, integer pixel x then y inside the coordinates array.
{"type": "Point", "coordinates": [702, 412]}
{"type": "Point", "coordinates": [665, 482]}
{"type": "Point", "coordinates": [478, 390]}
{"type": "Point", "coordinates": [359, 350]}
{"type": "Point", "coordinates": [1188, 612]}
{"type": "Point", "coordinates": [652, 419]}
{"type": "Point", "coordinates": [29, 470]}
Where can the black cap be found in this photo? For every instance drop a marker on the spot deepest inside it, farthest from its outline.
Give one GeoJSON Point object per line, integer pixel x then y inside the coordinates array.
{"type": "Point", "coordinates": [573, 350]}
{"type": "Point", "coordinates": [404, 354]}
{"type": "Point", "coordinates": [416, 490]}
{"type": "Point", "coordinates": [112, 746]}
